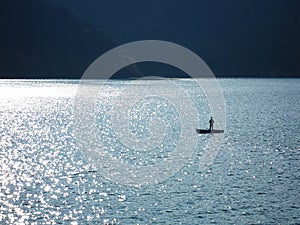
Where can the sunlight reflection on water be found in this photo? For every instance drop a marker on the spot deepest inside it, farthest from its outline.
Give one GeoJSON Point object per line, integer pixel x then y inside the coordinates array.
{"type": "Point", "coordinates": [254, 179]}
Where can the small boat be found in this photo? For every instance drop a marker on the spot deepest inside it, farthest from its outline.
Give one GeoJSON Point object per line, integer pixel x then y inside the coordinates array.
{"type": "Point", "coordinates": [200, 131]}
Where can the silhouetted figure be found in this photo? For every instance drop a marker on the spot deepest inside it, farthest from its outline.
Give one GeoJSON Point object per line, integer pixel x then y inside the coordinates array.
{"type": "Point", "coordinates": [211, 123]}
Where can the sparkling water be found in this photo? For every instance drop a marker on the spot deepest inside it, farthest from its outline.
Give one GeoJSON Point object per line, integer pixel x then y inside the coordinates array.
{"type": "Point", "coordinates": [49, 174]}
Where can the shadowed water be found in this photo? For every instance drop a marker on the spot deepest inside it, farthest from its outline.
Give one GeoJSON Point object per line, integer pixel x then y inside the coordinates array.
{"type": "Point", "coordinates": [254, 178]}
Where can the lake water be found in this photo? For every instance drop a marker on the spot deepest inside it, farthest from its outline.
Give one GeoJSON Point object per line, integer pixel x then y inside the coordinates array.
{"type": "Point", "coordinates": [46, 178]}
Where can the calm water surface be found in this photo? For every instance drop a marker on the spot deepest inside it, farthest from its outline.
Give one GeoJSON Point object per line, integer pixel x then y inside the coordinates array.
{"type": "Point", "coordinates": [255, 178]}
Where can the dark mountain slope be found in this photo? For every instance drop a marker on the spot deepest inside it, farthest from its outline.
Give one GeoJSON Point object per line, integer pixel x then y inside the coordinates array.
{"type": "Point", "coordinates": [41, 40]}
{"type": "Point", "coordinates": [235, 37]}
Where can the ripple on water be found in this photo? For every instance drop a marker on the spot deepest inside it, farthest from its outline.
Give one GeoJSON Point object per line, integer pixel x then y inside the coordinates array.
{"type": "Point", "coordinates": [254, 179]}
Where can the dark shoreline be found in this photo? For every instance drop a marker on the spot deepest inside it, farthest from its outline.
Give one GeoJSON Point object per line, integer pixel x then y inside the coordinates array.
{"type": "Point", "coordinates": [158, 78]}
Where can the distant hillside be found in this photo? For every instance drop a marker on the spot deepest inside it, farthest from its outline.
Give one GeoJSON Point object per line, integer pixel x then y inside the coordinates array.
{"type": "Point", "coordinates": [60, 38]}
{"type": "Point", "coordinates": [234, 37]}
{"type": "Point", "coordinates": [41, 40]}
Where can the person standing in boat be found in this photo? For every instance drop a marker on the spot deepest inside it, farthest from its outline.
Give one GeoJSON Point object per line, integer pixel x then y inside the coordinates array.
{"type": "Point", "coordinates": [211, 123]}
